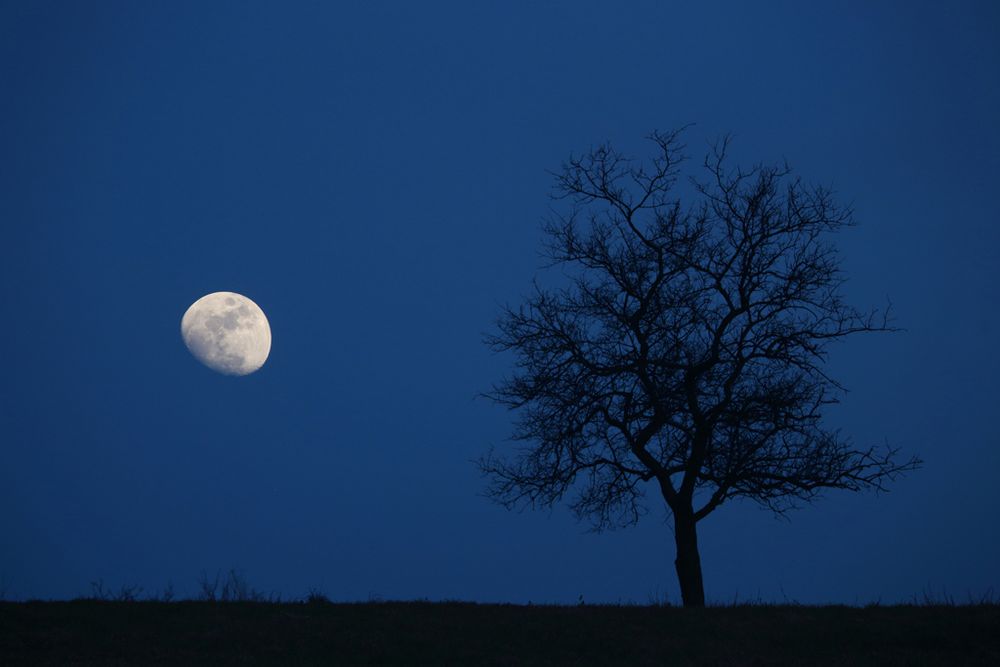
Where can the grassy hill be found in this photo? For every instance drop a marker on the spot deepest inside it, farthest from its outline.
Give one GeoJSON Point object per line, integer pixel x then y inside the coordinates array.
{"type": "Point", "coordinates": [101, 632]}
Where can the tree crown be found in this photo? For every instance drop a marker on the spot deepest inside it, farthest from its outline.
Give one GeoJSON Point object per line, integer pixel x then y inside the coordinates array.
{"type": "Point", "coordinates": [687, 347]}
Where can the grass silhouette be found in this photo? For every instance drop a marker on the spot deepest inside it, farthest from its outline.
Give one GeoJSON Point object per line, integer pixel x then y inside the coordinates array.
{"type": "Point", "coordinates": [230, 622]}
{"type": "Point", "coordinates": [233, 624]}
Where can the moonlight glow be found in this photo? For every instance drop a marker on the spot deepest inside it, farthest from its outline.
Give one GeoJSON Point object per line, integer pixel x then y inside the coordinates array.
{"type": "Point", "coordinates": [227, 332]}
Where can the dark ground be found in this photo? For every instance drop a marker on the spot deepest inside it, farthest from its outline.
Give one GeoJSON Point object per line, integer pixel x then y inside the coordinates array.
{"type": "Point", "coordinates": [98, 632]}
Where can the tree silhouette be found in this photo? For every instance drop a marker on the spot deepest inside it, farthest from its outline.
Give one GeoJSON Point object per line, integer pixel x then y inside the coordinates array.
{"type": "Point", "coordinates": [685, 348]}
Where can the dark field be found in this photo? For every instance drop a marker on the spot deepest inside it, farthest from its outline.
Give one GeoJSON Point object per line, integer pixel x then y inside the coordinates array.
{"type": "Point", "coordinates": [95, 632]}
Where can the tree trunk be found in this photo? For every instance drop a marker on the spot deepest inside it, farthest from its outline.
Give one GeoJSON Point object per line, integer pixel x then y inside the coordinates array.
{"type": "Point", "coordinates": [688, 562]}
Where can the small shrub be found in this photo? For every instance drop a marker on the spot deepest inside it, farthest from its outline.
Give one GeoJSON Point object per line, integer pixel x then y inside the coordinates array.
{"type": "Point", "coordinates": [127, 593]}
{"type": "Point", "coordinates": [316, 597]}
{"type": "Point", "coordinates": [232, 588]}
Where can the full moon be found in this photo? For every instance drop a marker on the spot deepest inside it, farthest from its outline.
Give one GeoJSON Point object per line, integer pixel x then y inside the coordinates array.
{"type": "Point", "coordinates": [227, 332]}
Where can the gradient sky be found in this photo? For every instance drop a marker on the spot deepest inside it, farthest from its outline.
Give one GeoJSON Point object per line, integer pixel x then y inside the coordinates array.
{"type": "Point", "coordinates": [373, 175]}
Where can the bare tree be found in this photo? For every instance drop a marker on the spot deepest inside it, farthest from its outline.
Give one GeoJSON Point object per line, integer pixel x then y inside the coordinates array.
{"type": "Point", "coordinates": [686, 348]}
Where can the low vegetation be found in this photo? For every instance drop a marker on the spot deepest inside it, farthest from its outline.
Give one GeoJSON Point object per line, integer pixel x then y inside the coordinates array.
{"type": "Point", "coordinates": [127, 630]}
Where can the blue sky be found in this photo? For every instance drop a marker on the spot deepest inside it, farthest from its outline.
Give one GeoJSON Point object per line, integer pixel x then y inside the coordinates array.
{"type": "Point", "coordinates": [373, 175]}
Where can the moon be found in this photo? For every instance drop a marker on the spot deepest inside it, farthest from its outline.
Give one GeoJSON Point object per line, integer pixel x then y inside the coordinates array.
{"type": "Point", "coordinates": [227, 332]}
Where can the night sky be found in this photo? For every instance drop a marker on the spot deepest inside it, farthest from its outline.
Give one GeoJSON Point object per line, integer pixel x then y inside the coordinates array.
{"type": "Point", "coordinates": [374, 175]}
